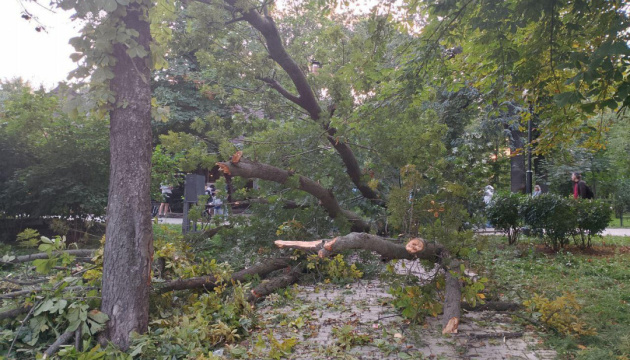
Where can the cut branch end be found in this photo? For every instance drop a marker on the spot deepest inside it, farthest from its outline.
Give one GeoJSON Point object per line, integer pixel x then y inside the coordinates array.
{"type": "Point", "coordinates": [415, 246]}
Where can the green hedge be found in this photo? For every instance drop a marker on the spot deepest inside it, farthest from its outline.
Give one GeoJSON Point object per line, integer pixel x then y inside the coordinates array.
{"type": "Point", "coordinates": [554, 218]}
{"type": "Point", "coordinates": [504, 213]}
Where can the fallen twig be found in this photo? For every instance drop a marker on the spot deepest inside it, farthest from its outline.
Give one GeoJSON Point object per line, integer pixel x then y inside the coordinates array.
{"type": "Point", "coordinates": [505, 335]}
{"type": "Point", "coordinates": [63, 339]}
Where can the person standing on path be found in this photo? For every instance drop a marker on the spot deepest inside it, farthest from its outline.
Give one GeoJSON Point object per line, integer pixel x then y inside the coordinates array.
{"type": "Point", "coordinates": [537, 191]}
{"type": "Point", "coordinates": [167, 190]}
{"type": "Point", "coordinates": [580, 189]}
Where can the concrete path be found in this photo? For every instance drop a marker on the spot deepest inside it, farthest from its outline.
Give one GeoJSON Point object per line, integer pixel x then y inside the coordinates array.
{"type": "Point", "coordinates": [358, 321]}
{"type": "Point", "coordinates": [487, 231]}
{"type": "Point", "coordinates": [609, 231]}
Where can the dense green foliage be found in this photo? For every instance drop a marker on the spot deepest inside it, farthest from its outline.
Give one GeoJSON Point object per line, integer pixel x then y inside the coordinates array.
{"type": "Point", "coordinates": [592, 218]}
{"type": "Point", "coordinates": [428, 95]}
{"type": "Point", "coordinates": [504, 213]}
{"type": "Point", "coordinates": [53, 163]}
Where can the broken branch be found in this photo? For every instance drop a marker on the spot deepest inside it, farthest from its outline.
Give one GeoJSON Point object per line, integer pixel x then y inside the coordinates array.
{"type": "Point", "coordinates": [249, 169]}
{"type": "Point", "coordinates": [210, 281]}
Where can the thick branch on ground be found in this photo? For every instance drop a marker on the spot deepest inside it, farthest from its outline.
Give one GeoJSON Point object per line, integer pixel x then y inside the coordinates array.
{"type": "Point", "coordinates": [261, 270]}
{"type": "Point", "coordinates": [25, 283]}
{"type": "Point", "coordinates": [13, 295]}
{"type": "Point", "coordinates": [249, 169]}
{"type": "Point", "coordinates": [505, 335]}
{"type": "Point", "coordinates": [452, 302]}
{"type": "Point", "coordinates": [267, 287]}
{"type": "Point", "coordinates": [62, 340]}
{"type": "Point", "coordinates": [493, 306]}
{"type": "Point", "coordinates": [414, 249]}
{"type": "Point", "coordinates": [31, 257]}
{"type": "Point", "coordinates": [9, 314]}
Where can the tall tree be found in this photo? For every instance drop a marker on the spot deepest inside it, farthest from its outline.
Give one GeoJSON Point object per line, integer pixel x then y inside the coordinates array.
{"type": "Point", "coordinates": [115, 51]}
{"type": "Point", "coordinates": [129, 237]}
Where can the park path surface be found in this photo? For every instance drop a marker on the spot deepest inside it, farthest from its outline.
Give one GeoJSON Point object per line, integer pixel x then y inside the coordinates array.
{"type": "Point", "coordinates": [357, 321]}
{"type": "Point", "coordinates": [487, 231]}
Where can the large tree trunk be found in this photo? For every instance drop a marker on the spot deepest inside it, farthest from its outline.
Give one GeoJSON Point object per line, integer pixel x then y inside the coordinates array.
{"type": "Point", "coordinates": [129, 236]}
{"type": "Point", "coordinates": [517, 163]}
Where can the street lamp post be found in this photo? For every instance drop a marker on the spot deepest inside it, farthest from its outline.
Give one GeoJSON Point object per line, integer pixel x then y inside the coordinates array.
{"type": "Point", "coordinates": [528, 178]}
{"type": "Point", "coordinates": [528, 174]}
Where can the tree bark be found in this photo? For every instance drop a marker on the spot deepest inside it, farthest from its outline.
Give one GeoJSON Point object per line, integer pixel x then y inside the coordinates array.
{"type": "Point", "coordinates": [249, 169]}
{"type": "Point", "coordinates": [414, 249]}
{"type": "Point", "coordinates": [452, 301]}
{"type": "Point", "coordinates": [129, 237]}
{"type": "Point", "coordinates": [9, 314]}
{"type": "Point", "coordinates": [517, 163]}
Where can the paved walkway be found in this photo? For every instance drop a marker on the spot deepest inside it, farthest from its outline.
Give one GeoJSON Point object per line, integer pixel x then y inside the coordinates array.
{"type": "Point", "coordinates": [609, 231]}
{"type": "Point", "coordinates": [487, 231]}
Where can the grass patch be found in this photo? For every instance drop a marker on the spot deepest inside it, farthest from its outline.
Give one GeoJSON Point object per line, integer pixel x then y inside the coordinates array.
{"type": "Point", "coordinates": [615, 222]}
{"type": "Point", "coordinates": [601, 284]}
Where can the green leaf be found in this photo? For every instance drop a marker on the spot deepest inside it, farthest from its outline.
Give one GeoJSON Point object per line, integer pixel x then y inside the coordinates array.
{"type": "Point", "coordinates": [75, 57]}
{"type": "Point", "coordinates": [43, 266]}
{"type": "Point", "coordinates": [110, 5]}
{"type": "Point", "coordinates": [43, 307]}
{"type": "Point", "coordinates": [567, 98]}
{"type": "Point", "coordinates": [98, 316]}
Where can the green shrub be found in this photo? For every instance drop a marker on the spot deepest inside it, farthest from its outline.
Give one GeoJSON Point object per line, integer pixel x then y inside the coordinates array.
{"type": "Point", "coordinates": [592, 217]}
{"type": "Point", "coordinates": [504, 214]}
{"type": "Point", "coordinates": [553, 216]}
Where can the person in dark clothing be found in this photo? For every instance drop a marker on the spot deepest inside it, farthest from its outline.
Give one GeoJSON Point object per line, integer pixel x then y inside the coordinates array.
{"type": "Point", "coordinates": [580, 189]}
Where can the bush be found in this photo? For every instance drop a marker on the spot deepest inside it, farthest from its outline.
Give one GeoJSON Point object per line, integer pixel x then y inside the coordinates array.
{"type": "Point", "coordinates": [559, 314]}
{"type": "Point", "coordinates": [551, 215]}
{"type": "Point", "coordinates": [592, 217]}
{"type": "Point", "coordinates": [504, 214]}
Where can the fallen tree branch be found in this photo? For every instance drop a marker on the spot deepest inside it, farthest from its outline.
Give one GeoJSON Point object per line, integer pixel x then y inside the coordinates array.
{"type": "Point", "coordinates": [452, 300]}
{"type": "Point", "coordinates": [414, 249]}
{"type": "Point", "coordinates": [261, 270]}
{"type": "Point", "coordinates": [24, 283]}
{"type": "Point", "coordinates": [505, 335]}
{"type": "Point", "coordinates": [17, 333]}
{"type": "Point", "coordinates": [248, 169]}
{"type": "Point", "coordinates": [13, 295]}
{"type": "Point", "coordinates": [269, 286]}
{"type": "Point", "coordinates": [62, 340]}
{"type": "Point", "coordinates": [9, 314]}
{"type": "Point", "coordinates": [31, 257]}
{"type": "Point", "coordinates": [493, 306]}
